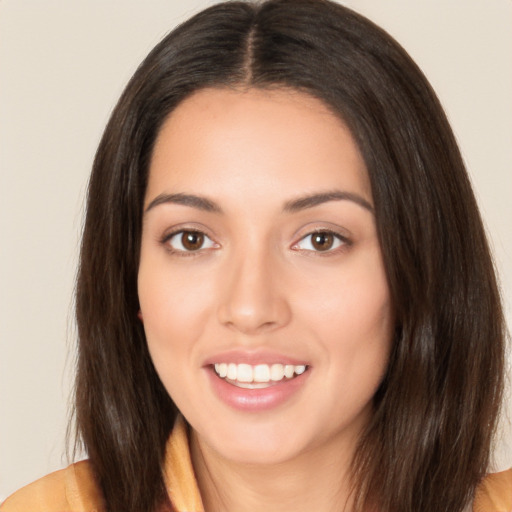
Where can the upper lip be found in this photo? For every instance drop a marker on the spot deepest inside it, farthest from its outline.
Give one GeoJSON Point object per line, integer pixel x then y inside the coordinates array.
{"type": "Point", "coordinates": [253, 357]}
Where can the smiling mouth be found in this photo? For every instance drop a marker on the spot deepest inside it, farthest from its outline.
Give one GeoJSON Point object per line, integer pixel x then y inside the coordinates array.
{"type": "Point", "coordinates": [257, 376]}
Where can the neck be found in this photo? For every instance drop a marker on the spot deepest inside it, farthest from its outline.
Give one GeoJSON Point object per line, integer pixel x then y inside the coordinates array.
{"type": "Point", "coordinates": [313, 481]}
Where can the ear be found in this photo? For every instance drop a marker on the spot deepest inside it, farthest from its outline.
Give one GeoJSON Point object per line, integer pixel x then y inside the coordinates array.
{"type": "Point", "coordinates": [139, 315]}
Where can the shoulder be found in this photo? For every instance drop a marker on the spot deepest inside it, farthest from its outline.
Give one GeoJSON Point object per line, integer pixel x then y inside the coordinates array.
{"type": "Point", "coordinates": [494, 494]}
{"type": "Point", "coordinates": [72, 489]}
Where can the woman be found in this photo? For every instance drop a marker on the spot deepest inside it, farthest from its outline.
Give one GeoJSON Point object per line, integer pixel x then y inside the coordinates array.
{"type": "Point", "coordinates": [283, 261]}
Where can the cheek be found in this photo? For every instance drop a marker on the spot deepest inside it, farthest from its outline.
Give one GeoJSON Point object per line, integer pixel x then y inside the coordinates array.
{"type": "Point", "coordinates": [353, 320]}
{"type": "Point", "coordinates": [353, 302]}
{"type": "Point", "coordinates": [175, 308]}
{"type": "Point", "coordinates": [358, 339]}
{"type": "Point", "coordinates": [173, 311]}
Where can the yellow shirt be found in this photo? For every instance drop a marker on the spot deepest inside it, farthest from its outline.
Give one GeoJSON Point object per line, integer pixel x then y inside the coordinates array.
{"type": "Point", "coordinates": [73, 489]}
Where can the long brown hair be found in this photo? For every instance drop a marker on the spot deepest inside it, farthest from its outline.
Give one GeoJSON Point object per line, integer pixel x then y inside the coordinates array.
{"type": "Point", "coordinates": [428, 443]}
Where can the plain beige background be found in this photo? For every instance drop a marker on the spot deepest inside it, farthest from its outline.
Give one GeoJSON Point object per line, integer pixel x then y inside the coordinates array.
{"type": "Point", "coordinates": [63, 63]}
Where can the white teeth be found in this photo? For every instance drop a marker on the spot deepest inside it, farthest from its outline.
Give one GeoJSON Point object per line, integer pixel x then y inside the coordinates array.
{"type": "Point", "coordinates": [276, 372]}
{"type": "Point", "coordinates": [260, 373]}
{"type": "Point", "coordinates": [244, 373]}
{"type": "Point", "coordinates": [223, 370]}
{"type": "Point", "coordinates": [300, 369]}
{"type": "Point", "coordinates": [232, 371]}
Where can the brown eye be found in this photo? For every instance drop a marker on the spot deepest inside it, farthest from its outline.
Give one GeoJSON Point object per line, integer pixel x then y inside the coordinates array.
{"type": "Point", "coordinates": [322, 241]}
{"type": "Point", "coordinates": [190, 241]}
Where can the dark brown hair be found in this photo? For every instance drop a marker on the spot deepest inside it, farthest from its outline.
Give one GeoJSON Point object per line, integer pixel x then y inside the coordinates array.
{"type": "Point", "coordinates": [428, 443]}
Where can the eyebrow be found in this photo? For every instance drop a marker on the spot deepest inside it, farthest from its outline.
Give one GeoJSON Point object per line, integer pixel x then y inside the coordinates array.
{"type": "Point", "coordinates": [312, 200]}
{"type": "Point", "coordinates": [201, 203]}
{"type": "Point", "coordinates": [295, 205]}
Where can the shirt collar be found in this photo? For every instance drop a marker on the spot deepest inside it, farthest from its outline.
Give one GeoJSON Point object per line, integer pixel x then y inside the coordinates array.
{"type": "Point", "coordinates": [179, 474]}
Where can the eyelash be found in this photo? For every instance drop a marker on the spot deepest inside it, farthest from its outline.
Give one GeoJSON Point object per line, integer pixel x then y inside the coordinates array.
{"type": "Point", "coordinates": [343, 242]}
{"type": "Point", "coordinates": [166, 240]}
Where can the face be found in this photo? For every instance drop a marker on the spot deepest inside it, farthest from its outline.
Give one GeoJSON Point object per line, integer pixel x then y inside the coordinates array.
{"type": "Point", "coordinates": [261, 283]}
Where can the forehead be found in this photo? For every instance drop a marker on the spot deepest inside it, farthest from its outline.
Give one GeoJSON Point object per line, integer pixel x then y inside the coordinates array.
{"type": "Point", "coordinates": [257, 140]}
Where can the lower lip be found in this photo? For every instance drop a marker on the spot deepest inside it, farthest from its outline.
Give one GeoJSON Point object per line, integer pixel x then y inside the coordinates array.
{"type": "Point", "coordinates": [255, 400]}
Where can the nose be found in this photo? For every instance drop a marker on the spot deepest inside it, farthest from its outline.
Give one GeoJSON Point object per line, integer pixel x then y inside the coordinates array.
{"type": "Point", "coordinates": [253, 298]}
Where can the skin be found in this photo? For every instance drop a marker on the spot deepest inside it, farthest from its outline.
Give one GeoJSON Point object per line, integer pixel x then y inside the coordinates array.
{"type": "Point", "coordinates": [257, 283]}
